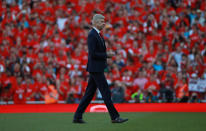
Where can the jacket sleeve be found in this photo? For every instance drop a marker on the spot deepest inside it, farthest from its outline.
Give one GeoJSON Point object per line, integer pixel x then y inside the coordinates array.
{"type": "Point", "coordinates": [92, 48]}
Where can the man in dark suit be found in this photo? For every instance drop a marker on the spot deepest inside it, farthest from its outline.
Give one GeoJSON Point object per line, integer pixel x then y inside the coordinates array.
{"type": "Point", "coordinates": [97, 58]}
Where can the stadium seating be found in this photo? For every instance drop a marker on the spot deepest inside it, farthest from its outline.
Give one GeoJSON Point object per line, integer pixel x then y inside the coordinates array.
{"type": "Point", "coordinates": [160, 50]}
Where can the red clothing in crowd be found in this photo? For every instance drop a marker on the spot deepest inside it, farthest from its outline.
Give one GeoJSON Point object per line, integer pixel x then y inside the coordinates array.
{"type": "Point", "coordinates": [63, 90]}
{"type": "Point", "coordinates": [31, 90]}
{"type": "Point", "coordinates": [42, 89]}
{"type": "Point", "coordinates": [153, 87]}
{"type": "Point", "coordinates": [19, 94]}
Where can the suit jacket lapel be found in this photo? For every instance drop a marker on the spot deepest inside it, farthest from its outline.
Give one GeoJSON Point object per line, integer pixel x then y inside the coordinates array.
{"type": "Point", "coordinates": [101, 40]}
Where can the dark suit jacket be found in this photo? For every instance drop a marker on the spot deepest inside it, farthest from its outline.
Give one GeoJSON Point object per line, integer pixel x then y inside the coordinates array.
{"type": "Point", "coordinates": [97, 57]}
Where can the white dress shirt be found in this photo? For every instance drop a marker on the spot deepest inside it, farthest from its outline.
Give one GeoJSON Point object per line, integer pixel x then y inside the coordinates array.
{"type": "Point", "coordinates": [98, 31]}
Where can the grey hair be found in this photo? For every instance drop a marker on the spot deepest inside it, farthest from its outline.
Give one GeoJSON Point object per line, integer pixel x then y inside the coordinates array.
{"type": "Point", "coordinates": [97, 17]}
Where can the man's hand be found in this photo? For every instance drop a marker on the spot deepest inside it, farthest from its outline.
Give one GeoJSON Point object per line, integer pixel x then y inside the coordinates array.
{"type": "Point", "coordinates": [110, 54]}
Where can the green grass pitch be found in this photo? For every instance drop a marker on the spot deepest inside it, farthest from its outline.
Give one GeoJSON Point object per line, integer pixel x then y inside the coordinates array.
{"type": "Point", "coordinates": [101, 122]}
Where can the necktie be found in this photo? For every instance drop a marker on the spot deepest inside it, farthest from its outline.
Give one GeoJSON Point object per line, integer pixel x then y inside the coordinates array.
{"type": "Point", "coordinates": [100, 34]}
{"type": "Point", "coordinates": [101, 38]}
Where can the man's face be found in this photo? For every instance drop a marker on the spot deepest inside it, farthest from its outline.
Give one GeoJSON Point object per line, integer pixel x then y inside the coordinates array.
{"type": "Point", "coordinates": [100, 24]}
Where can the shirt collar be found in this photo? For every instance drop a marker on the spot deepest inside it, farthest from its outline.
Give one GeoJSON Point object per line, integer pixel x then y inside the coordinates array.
{"type": "Point", "coordinates": [98, 31]}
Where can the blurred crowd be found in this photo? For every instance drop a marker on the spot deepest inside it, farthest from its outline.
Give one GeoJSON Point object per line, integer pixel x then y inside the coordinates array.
{"type": "Point", "coordinates": [160, 49]}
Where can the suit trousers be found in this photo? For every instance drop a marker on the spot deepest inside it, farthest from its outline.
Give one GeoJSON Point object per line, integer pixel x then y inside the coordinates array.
{"type": "Point", "coordinates": [96, 80]}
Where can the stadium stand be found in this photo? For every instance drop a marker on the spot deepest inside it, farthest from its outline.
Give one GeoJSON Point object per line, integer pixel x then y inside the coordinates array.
{"type": "Point", "coordinates": [160, 47]}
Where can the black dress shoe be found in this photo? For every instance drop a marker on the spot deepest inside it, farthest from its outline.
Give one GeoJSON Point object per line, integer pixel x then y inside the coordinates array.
{"type": "Point", "coordinates": [119, 120]}
{"type": "Point", "coordinates": [79, 121]}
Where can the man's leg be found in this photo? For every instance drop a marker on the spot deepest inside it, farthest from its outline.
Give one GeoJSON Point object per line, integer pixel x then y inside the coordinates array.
{"type": "Point", "coordinates": [103, 87]}
{"type": "Point", "coordinates": [86, 99]}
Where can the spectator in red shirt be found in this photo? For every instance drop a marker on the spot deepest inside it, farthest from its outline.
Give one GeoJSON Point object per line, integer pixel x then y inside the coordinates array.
{"type": "Point", "coordinates": [151, 89]}
{"type": "Point", "coordinates": [19, 92]}
{"type": "Point", "coordinates": [42, 87]}
{"type": "Point", "coordinates": [62, 87]}
{"type": "Point", "coordinates": [30, 89]}
{"type": "Point", "coordinates": [127, 80]}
